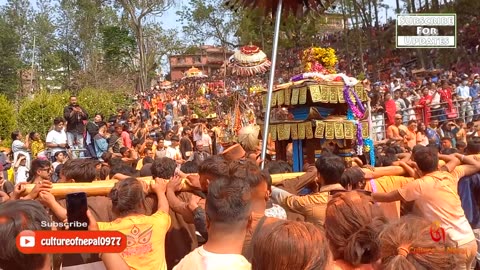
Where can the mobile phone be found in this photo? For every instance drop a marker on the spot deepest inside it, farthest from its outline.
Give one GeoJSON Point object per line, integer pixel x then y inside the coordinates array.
{"type": "Point", "coordinates": [77, 211]}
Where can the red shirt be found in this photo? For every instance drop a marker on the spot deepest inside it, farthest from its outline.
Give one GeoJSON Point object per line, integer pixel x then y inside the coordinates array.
{"type": "Point", "coordinates": [146, 105]}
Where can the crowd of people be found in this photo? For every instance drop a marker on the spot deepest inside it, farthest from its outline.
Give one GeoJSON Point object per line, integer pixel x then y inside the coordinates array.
{"type": "Point", "coordinates": [211, 206]}
{"type": "Point", "coordinates": [421, 110]}
{"type": "Point", "coordinates": [189, 198]}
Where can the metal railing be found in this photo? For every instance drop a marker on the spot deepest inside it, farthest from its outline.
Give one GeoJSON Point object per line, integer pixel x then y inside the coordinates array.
{"type": "Point", "coordinates": [469, 111]}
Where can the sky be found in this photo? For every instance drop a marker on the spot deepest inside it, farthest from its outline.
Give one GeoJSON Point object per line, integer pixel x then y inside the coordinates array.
{"type": "Point", "coordinates": [169, 20]}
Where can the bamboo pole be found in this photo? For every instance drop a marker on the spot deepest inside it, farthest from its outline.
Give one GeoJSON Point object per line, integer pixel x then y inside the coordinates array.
{"type": "Point", "coordinates": [102, 188]}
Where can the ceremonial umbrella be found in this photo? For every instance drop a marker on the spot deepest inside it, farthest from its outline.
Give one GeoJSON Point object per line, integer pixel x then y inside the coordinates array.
{"type": "Point", "coordinates": [165, 85]}
{"type": "Point", "coordinates": [194, 73]}
{"type": "Point", "coordinates": [249, 60]}
{"type": "Point", "coordinates": [297, 7]}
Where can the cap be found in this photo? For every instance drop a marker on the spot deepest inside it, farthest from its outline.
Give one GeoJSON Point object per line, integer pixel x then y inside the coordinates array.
{"type": "Point", "coordinates": [175, 138]}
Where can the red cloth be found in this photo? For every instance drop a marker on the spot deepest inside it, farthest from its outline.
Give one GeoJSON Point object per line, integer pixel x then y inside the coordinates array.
{"type": "Point", "coordinates": [425, 103]}
{"type": "Point", "coordinates": [127, 142]}
{"type": "Point", "coordinates": [390, 111]}
{"type": "Point", "coordinates": [160, 105]}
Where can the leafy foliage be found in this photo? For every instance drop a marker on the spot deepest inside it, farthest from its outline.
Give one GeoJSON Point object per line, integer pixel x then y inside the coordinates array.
{"type": "Point", "coordinates": [37, 113]}
{"type": "Point", "coordinates": [9, 59]}
{"type": "Point", "coordinates": [101, 101]}
{"type": "Point", "coordinates": [7, 117]}
{"type": "Point", "coordinates": [119, 47]}
{"type": "Point", "coordinates": [209, 21]}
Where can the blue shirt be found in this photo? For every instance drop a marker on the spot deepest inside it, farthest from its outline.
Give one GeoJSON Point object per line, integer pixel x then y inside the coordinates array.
{"type": "Point", "coordinates": [432, 135]}
{"type": "Point", "coordinates": [463, 91]}
{"type": "Point", "coordinates": [474, 91]}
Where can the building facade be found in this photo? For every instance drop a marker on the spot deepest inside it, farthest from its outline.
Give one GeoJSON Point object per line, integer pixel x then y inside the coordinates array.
{"type": "Point", "coordinates": [209, 59]}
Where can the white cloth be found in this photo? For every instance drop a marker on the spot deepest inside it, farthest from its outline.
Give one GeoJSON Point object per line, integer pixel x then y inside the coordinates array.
{"type": "Point", "coordinates": [206, 139]}
{"type": "Point", "coordinates": [200, 259]}
{"type": "Point", "coordinates": [463, 91]}
{"type": "Point", "coordinates": [172, 153]}
{"type": "Point", "coordinates": [18, 147]}
{"type": "Point", "coordinates": [435, 100]}
{"type": "Point", "coordinates": [21, 175]}
{"type": "Point", "coordinates": [56, 137]}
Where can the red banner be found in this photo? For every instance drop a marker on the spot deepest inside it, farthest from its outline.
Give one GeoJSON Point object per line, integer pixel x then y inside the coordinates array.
{"type": "Point", "coordinates": [41, 242]}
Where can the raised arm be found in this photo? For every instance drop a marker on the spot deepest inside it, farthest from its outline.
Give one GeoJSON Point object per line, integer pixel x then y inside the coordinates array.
{"type": "Point", "coordinates": [160, 187]}
{"type": "Point", "coordinates": [471, 166]}
{"type": "Point", "coordinates": [175, 203]}
{"type": "Point", "coordinates": [451, 161]}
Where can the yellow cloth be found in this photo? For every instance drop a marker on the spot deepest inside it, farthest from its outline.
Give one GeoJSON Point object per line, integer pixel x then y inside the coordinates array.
{"type": "Point", "coordinates": [312, 206]}
{"type": "Point", "coordinates": [37, 147]}
{"type": "Point", "coordinates": [11, 175]}
{"type": "Point", "coordinates": [387, 184]}
{"type": "Point", "coordinates": [145, 239]}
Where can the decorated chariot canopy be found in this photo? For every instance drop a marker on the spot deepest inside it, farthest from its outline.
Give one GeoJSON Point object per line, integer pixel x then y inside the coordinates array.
{"type": "Point", "coordinates": [321, 104]}
{"type": "Point", "coordinates": [194, 73]}
{"type": "Point", "coordinates": [249, 60]}
{"type": "Point", "coordinates": [165, 85]}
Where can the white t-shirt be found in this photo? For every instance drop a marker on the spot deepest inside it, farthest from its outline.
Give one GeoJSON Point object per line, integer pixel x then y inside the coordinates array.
{"type": "Point", "coordinates": [200, 259]}
{"type": "Point", "coordinates": [17, 146]}
{"type": "Point", "coordinates": [21, 175]}
{"type": "Point", "coordinates": [206, 139]}
{"type": "Point", "coordinates": [56, 137]}
{"type": "Point", "coordinates": [172, 153]}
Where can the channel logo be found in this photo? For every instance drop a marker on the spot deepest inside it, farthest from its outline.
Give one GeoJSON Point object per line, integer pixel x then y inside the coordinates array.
{"type": "Point", "coordinates": [26, 239]}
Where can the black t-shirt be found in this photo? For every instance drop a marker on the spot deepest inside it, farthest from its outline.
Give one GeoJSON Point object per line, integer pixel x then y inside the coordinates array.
{"type": "Point", "coordinates": [185, 146]}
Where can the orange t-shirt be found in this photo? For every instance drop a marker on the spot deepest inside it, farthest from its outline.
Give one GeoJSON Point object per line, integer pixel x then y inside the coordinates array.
{"type": "Point", "coordinates": [387, 184]}
{"type": "Point", "coordinates": [436, 199]}
{"type": "Point", "coordinates": [145, 239]}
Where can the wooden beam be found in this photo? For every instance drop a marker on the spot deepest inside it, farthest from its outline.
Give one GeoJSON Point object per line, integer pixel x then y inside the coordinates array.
{"type": "Point", "coordinates": [102, 188]}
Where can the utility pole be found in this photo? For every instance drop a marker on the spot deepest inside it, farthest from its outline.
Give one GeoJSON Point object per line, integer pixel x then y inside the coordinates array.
{"type": "Point", "coordinates": [33, 66]}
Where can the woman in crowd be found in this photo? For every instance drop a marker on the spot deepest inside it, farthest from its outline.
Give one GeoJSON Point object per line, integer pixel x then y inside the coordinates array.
{"type": "Point", "coordinates": [145, 234]}
{"type": "Point", "coordinates": [421, 135]}
{"type": "Point", "coordinates": [408, 244]}
{"type": "Point", "coordinates": [19, 147]}
{"type": "Point", "coordinates": [352, 225]}
{"type": "Point", "coordinates": [291, 245]}
{"type": "Point", "coordinates": [37, 146]}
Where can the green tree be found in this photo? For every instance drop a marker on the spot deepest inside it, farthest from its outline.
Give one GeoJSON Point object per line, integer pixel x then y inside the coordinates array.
{"type": "Point", "coordinates": [119, 48]}
{"type": "Point", "coordinates": [159, 43]}
{"type": "Point", "coordinates": [68, 41]}
{"type": "Point", "coordinates": [204, 21]}
{"type": "Point", "coordinates": [37, 113]}
{"type": "Point", "coordinates": [19, 15]}
{"type": "Point", "coordinates": [46, 49]}
{"type": "Point", "coordinates": [9, 59]}
{"type": "Point", "coordinates": [7, 117]}
{"type": "Point", "coordinates": [137, 13]}
{"type": "Point", "coordinates": [101, 101]}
